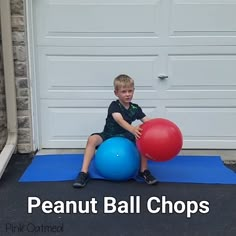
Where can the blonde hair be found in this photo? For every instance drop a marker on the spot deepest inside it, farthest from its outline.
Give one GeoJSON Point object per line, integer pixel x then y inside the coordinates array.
{"type": "Point", "coordinates": [122, 81]}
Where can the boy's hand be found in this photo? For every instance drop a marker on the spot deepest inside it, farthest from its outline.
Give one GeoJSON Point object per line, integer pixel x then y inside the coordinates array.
{"type": "Point", "coordinates": [137, 131]}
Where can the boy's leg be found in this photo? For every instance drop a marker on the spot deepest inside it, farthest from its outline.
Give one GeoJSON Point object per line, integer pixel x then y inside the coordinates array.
{"type": "Point", "coordinates": [143, 165]}
{"type": "Point", "coordinates": [93, 141]}
{"type": "Point", "coordinates": [83, 176]}
{"type": "Point", "coordinates": [145, 173]}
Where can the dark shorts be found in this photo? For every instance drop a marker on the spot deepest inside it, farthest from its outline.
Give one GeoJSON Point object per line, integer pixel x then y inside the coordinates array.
{"type": "Point", "coordinates": [106, 136]}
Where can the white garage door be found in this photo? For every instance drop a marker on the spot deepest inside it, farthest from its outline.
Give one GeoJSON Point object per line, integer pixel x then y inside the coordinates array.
{"type": "Point", "coordinates": [81, 45]}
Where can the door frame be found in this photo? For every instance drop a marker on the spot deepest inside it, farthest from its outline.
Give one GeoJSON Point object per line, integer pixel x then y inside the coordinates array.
{"type": "Point", "coordinates": [32, 75]}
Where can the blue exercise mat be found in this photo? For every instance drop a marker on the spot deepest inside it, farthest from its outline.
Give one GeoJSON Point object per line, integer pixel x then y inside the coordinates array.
{"type": "Point", "coordinates": [181, 169]}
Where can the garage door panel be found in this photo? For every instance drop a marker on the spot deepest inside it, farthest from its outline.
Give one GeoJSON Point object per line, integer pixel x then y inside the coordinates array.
{"type": "Point", "coordinates": [107, 19]}
{"type": "Point", "coordinates": [204, 122]}
{"type": "Point", "coordinates": [209, 121]}
{"type": "Point", "coordinates": [203, 21]}
{"type": "Point", "coordinates": [201, 76]}
{"type": "Point", "coordinates": [68, 123]}
{"type": "Point", "coordinates": [72, 75]}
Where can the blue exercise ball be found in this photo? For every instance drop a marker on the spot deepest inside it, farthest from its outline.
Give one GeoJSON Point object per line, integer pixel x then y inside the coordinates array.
{"type": "Point", "coordinates": [117, 159]}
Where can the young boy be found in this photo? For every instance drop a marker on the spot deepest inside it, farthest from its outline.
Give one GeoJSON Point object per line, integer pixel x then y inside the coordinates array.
{"type": "Point", "coordinates": [121, 113]}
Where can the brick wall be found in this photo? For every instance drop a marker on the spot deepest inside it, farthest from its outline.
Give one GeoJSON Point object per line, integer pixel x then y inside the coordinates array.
{"type": "Point", "coordinates": [3, 129]}
{"type": "Point", "coordinates": [22, 82]}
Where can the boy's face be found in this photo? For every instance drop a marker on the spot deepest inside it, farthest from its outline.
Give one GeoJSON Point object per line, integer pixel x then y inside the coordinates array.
{"type": "Point", "coordinates": [125, 94]}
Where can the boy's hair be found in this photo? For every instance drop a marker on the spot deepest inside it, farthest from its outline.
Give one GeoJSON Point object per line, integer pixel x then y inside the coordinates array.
{"type": "Point", "coordinates": [122, 81]}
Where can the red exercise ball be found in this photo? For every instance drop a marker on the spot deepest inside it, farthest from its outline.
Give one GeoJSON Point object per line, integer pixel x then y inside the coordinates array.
{"type": "Point", "coordinates": [161, 140]}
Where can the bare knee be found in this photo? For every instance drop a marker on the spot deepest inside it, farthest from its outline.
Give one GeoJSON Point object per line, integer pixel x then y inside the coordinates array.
{"type": "Point", "coordinates": [94, 141]}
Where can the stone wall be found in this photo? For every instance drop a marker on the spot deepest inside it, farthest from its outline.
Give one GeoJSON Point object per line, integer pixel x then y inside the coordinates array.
{"type": "Point", "coordinates": [3, 124]}
{"type": "Point", "coordinates": [22, 81]}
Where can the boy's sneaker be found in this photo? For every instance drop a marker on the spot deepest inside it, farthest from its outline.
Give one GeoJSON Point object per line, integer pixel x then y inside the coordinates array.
{"type": "Point", "coordinates": [148, 177]}
{"type": "Point", "coordinates": [81, 180]}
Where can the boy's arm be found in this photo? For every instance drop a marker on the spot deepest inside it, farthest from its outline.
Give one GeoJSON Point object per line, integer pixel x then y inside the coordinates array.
{"type": "Point", "coordinates": [145, 119]}
{"type": "Point", "coordinates": [135, 130]}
